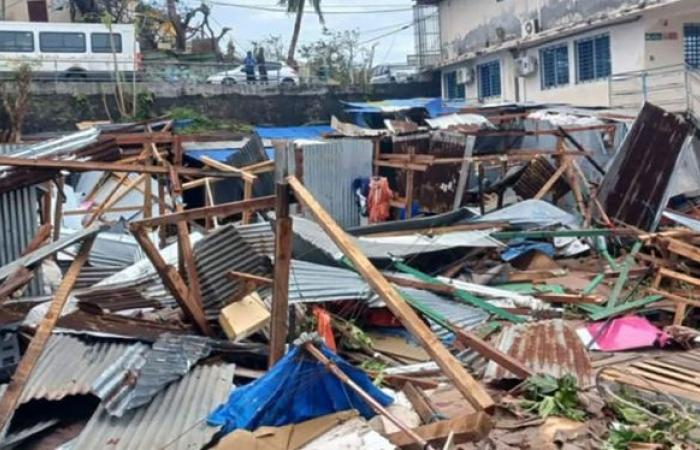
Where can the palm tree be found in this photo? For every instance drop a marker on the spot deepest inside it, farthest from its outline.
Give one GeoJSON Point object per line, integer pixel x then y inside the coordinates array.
{"type": "Point", "coordinates": [297, 7]}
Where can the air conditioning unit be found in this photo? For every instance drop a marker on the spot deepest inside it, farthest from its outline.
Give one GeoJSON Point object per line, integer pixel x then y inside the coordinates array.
{"type": "Point", "coordinates": [527, 66]}
{"type": "Point", "coordinates": [465, 76]}
{"type": "Point", "coordinates": [530, 28]}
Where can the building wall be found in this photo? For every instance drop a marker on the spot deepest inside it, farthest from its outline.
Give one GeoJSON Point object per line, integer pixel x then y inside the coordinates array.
{"type": "Point", "coordinates": [470, 25]}
{"type": "Point", "coordinates": [18, 11]}
{"type": "Point", "coordinates": [631, 47]}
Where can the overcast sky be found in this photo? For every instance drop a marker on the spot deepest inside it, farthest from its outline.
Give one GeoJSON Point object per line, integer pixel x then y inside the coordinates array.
{"type": "Point", "coordinates": [251, 25]}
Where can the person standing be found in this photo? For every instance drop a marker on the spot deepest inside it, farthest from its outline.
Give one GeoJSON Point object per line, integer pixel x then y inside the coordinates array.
{"type": "Point", "coordinates": [262, 68]}
{"type": "Point", "coordinates": [249, 65]}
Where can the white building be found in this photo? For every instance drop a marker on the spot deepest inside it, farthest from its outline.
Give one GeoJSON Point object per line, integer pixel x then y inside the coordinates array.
{"type": "Point", "coordinates": [564, 51]}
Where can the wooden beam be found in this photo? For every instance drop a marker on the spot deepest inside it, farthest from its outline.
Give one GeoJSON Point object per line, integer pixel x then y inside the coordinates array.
{"type": "Point", "coordinates": [452, 368]}
{"type": "Point", "coordinates": [491, 353]}
{"type": "Point", "coordinates": [247, 195]}
{"type": "Point", "coordinates": [17, 280]}
{"type": "Point", "coordinates": [223, 210]}
{"type": "Point", "coordinates": [173, 282]}
{"type": "Point", "coordinates": [43, 332]}
{"type": "Point", "coordinates": [114, 197]}
{"type": "Point", "coordinates": [58, 208]}
{"type": "Point", "coordinates": [466, 428]}
{"type": "Point", "coordinates": [563, 167]}
{"type": "Point", "coordinates": [250, 277]}
{"type": "Point", "coordinates": [183, 236]}
{"type": "Point", "coordinates": [88, 166]}
{"type": "Point", "coordinates": [227, 168]}
{"type": "Point", "coordinates": [283, 256]}
{"type": "Point", "coordinates": [421, 403]}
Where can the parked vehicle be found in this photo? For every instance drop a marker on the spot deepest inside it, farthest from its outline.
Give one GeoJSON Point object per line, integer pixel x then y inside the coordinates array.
{"type": "Point", "coordinates": [70, 50]}
{"type": "Point", "coordinates": [277, 73]}
{"type": "Point", "coordinates": [393, 74]}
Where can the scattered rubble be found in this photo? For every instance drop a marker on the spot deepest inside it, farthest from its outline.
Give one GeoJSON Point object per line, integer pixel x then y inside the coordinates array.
{"type": "Point", "coordinates": [517, 276]}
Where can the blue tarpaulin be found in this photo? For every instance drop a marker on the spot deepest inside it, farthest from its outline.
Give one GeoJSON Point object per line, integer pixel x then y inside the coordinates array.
{"type": "Point", "coordinates": [217, 154]}
{"type": "Point", "coordinates": [434, 105]}
{"type": "Point", "coordinates": [517, 247]}
{"type": "Point", "coordinates": [300, 132]}
{"type": "Point", "coordinates": [296, 389]}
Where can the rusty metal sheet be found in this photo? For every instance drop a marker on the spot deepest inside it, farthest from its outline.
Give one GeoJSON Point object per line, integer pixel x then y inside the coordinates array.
{"type": "Point", "coordinates": [548, 347]}
{"type": "Point", "coordinates": [636, 188]}
{"type": "Point", "coordinates": [536, 175]}
{"type": "Point", "coordinates": [434, 189]}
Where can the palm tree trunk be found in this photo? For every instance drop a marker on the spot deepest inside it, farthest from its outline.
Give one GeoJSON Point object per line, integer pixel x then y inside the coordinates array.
{"type": "Point", "coordinates": [295, 36]}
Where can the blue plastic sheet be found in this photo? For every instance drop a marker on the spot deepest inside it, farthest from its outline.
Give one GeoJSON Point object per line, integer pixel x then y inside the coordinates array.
{"type": "Point", "coordinates": [296, 389]}
{"type": "Point", "coordinates": [517, 247]}
{"type": "Point", "coordinates": [301, 132]}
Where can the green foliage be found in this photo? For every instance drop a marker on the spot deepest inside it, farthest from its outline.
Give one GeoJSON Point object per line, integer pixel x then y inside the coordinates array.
{"type": "Point", "coordinates": [337, 56]}
{"type": "Point", "coordinates": [549, 396]}
{"type": "Point", "coordinates": [201, 123]}
{"type": "Point", "coordinates": [643, 421]}
{"type": "Point", "coordinates": [144, 104]}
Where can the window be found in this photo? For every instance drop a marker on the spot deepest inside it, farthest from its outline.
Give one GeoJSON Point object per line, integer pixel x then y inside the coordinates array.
{"type": "Point", "coordinates": [452, 88]}
{"type": "Point", "coordinates": [593, 58]}
{"type": "Point", "coordinates": [691, 44]}
{"type": "Point", "coordinates": [273, 67]}
{"type": "Point", "coordinates": [52, 42]}
{"type": "Point", "coordinates": [489, 75]}
{"type": "Point", "coordinates": [16, 41]}
{"type": "Point", "coordinates": [99, 42]}
{"type": "Point", "coordinates": [555, 66]}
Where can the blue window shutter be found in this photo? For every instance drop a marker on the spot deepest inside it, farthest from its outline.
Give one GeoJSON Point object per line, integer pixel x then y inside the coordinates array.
{"type": "Point", "coordinates": [584, 56]}
{"type": "Point", "coordinates": [489, 79]}
{"type": "Point", "coordinates": [555, 66]}
{"type": "Point", "coordinates": [602, 57]}
{"type": "Point", "coordinates": [691, 44]}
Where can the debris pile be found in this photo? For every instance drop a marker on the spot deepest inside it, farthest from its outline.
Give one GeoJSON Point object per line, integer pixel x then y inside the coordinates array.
{"type": "Point", "coordinates": [412, 277]}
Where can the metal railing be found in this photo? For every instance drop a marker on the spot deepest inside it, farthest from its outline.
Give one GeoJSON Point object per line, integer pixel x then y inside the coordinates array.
{"type": "Point", "coordinates": [172, 73]}
{"type": "Point", "coordinates": [675, 88]}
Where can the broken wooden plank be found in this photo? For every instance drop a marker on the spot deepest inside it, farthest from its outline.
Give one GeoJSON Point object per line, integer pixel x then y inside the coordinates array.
{"type": "Point", "coordinates": [421, 403]}
{"type": "Point", "coordinates": [43, 332]}
{"type": "Point", "coordinates": [250, 277]}
{"type": "Point", "coordinates": [452, 368]}
{"type": "Point", "coordinates": [227, 168]}
{"type": "Point", "coordinates": [88, 166]}
{"type": "Point", "coordinates": [223, 210]}
{"type": "Point", "coordinates": [563, 167]}
{"type": "Point", "coordinates": [173, 281]}
{"type": "Point", "coordinates": [467, 428]}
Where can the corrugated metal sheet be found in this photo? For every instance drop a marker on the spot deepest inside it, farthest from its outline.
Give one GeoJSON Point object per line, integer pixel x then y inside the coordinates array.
{"type": "Point", "coordinates": [58, 146]}
{"type": "Point", "coordinates": [636, 187]}
{"type": "Point", "coordinates": [218, 254]}
{"type": "Point", "coordinates": [175, 419]}
{"type": "Point", "coordinates": [328, 172]}
{"type": "Point", "coordinates": [310, 283]}
{"type": "Point", "coordinates": [259, 236]}
{"type": "Point", "coordinates": [169, 359]}
{"type": "Point", "coordinates": [464, 316]}
{"type": "Point", "coordinates": [19, 220]}
{"type": "Point", "coordinates": [313, 244]}
{"type": "Point", "coordinates": [70, 366]}
{"type": "Point", "coordinates": [549, 347]}
{"type": "Point", "coordinates": [46, 250]}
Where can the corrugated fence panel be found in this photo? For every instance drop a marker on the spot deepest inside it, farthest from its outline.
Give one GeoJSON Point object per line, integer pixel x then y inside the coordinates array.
{"type": "Point", "coordinates": [329, 170]}
{"type": "Point", "coordinates": [18, 224]}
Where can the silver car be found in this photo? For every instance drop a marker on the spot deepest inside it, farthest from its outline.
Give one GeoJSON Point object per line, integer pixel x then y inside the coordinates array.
{"type": "Point", "coordinates": [277, 73]}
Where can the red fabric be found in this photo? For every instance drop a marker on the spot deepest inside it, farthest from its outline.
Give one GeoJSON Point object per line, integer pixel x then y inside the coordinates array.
{"type": "Point", "coordinates": [379, 200]}
{"type": "Point", "coordinates": [324, 328]}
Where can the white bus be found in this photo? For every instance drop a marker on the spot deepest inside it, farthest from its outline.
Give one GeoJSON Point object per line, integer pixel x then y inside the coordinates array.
{"type": "Point", "coordinates": [68, 50]}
